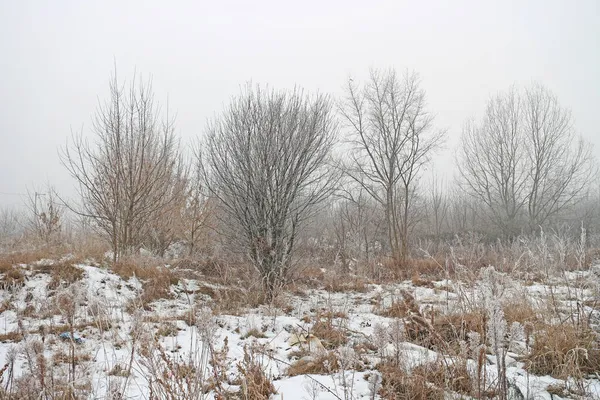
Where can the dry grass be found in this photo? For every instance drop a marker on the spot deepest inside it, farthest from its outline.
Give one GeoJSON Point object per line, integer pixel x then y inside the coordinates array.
{"type": "Point", "coordinates": [398, 384]}
{"type": "Point", "coordinates": [429, 267]}
{"type": "Point", "coordinates": [234, 300]}
{"type": "Point", "coordinates": [521, 311]}
{"type": "Point", "coordinates": [167, 329]}
{"type": "Point", "coordinates": [24, 257]}
{"type": "Point", "coordinates": [255, 384]}
{"type": "Point", "coordinates": [417, 280]}
{"type": "Point", "coordinates": [158, 286]}
{"type": "Point", "coordinates": [330, 334]}
{"type": "Point", "coordinates": [444, 330]}
{"type": "Point", "coordinates": [156, 280]}
{"type": "Point", "coordinates": [396, 310]}
{"type": "Point", "coordinates": [62, 357]}
{"type": "Point", "coordinates": [62, 274]}
{"type": "Point", "coordinates": [14, 337]}
{"type": "Point", "coordinates": [12, 277]}
{"type": "Point", "coordinates": [426, 381]}
{"type": "Point", "coordinates": [309, 276]}
{"type": "Point", "coordinates": [321, 363]}
{"type": "Point", "coordinates": [564, 351]}
{"type": "Point", "coordinates": [255, 333]}
{"type": "Point", "coordinates": [335, 284]}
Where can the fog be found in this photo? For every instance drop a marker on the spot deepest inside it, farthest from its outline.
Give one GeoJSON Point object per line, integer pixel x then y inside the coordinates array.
{"type": "Point", "coordinates": [56, 58]}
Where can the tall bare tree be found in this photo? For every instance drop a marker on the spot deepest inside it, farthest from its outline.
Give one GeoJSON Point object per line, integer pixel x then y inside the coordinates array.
{"type": "Point", "coordinates": [392, 135]}
{"type": "Point", "coordinates": [524, 160]}
{"type": "Point", "coordinates": [267, 161]}
{"type": "Point", "coordinates": [128, 175]}
{"type": "Point", "coordinates": [561, 165]}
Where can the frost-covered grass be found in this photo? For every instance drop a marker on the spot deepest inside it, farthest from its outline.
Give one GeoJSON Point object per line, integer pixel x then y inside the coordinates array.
{"type": "Point", "coordinates": [491, 335]}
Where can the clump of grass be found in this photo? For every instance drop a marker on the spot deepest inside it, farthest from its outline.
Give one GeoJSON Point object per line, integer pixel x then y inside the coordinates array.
{"type": "Point", "coordinates": [564, 351]}
{"type": "Point", "coordinates": [520, 311]}
{"type": "Point", "coordinates": [158, 286]}
{"type": "Point", "coordinates": [330, 334]}
{"type": "Point", "coordinates": [166, 329]}
{"type": "Point", "coordinates": [398, 384]}
{"type": "Point", "coordinates": [233, 300]}
{"type": "Point", "coordinates": [14, 337]}
{"type": "Point", "coordinates": [118, 370]}
{"type": "Point", "coordinates": [64, 273]}
{"type": "Point", "coordinates": [255, 384]}
{"type": "Point", "coordinates": [445, 329]}
{"type": "Point", "coordinates": [396, 310]}
{"type": "Point", "coordinates": [336, 284]}
{"type": "Point", "coordinates": [318, 364]}
{"type": "Point", "coordinates": [12, 277]}
{"type": "Point", "coordinates": [417, 280]}
{"type": "Point", "coordinates": [156, 280]}
{"type": "Point", "coordinates": [254, 332]}
{"type": "Point", "coordinates": [61, 357]}
{"type": "Point", "coordinates": [456, 327]}
{"type": "Point", "coordinates": [10, 260]}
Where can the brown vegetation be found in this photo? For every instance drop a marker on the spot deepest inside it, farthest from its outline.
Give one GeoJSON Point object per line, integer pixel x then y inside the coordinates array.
{"type": "Point", "coordinates": [564, 351]}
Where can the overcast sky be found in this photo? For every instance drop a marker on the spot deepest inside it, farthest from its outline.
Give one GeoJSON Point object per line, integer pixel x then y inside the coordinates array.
{"type": "Point", "coordinates": [56, 58]}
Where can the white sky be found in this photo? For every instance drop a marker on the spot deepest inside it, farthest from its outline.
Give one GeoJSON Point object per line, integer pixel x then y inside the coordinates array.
{"type": "Point", "coordinates": [56, 58]}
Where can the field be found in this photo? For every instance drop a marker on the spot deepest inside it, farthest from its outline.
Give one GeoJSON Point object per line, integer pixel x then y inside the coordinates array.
{"type": "Point", "coordinates": [75, 328]}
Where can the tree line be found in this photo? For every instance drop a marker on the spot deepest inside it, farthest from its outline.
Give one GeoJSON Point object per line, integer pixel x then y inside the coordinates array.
{"type": "Point", "coordinates": [279, 168]}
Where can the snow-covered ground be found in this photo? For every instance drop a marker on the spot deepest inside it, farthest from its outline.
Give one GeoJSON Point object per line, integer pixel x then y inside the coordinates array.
{"type": "Point", "coordinates": [125, 346]}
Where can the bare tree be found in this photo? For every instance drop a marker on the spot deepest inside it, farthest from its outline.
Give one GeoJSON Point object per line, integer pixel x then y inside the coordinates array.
{"type": "Point", "coordinates": [197, 216]}
{"type": "Point", "coordinates": [560, 164]}
{"type": "Point", "coordinates": [168, 226]}
{"type": "Point", "coordinates": [524, 161]}
{"type": "Point", "coordinates": [129, 174]}
{"type": "Point", "coordinates": [462, 211]}
{"type": "Point", "coordinates": [438, 204]}
{"type": "Point", "coordinates": [267, 161]}
{"type": "Point", "coordinates": [45, 215]}
{"type": "Point", "coordinates": [11, 227]}
{"type": "Point", "coordinates": [356, 221]}
{"type": "Point", "coordinates": [393, 137]}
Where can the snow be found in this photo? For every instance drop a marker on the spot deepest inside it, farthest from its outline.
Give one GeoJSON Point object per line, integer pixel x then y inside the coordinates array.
{"type": "Point", "coordinates": [101, 291]}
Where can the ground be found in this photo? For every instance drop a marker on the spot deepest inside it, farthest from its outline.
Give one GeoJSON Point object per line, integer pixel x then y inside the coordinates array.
{"type": "Point", "coordinates": [125, 338]}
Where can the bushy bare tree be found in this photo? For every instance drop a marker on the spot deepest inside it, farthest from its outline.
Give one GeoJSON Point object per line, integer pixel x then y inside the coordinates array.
{"type": "Point", "coordinates": [524, 160]}
{"type": "Point", "coordinates": [267, 160]}
{"type": "Point", "coordinates": [393, 137]}
{"type": "Point", "coordinates": [130, 174]}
